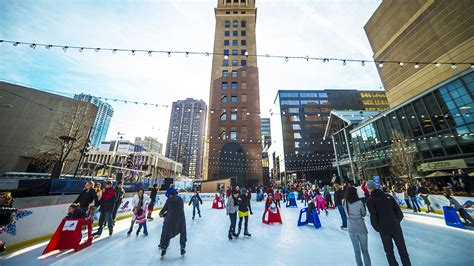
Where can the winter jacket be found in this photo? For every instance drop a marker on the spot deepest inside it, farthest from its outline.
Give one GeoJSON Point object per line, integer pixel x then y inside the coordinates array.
{"type": "Point", "coordinates": [244, 204]}
{"type": "Point", "coordinates": [423, 190]}
{"type": "Point", "coordinates": [141, 218]}
{"type": "Point", "coordinates": [195, 199]}
{"type": "Point", "coordinates": [107, 201]}
{"type": "Point", "coordinates": [454, 203]}
{"type": "Point", "coordinates": [411, 191]}
{"type": "Point", "coordinates": [385, 214]}
{"type": "Point", "coordinates": [230, 206]}
{"type": "Point", "coordinates": [136, 200]}
{"type": "Point", "coordinates": [355, 217]}
{"type": "Point", "coordinates": [338, 196]}
{"type": "Point", "coordinates": [86, 198]}
{"type": "Point", "coordinates": [175, 221]}
{"type": "Point", "coordinates": [119, 194]}
{"type": "Point", "coordinates": [153, 193]}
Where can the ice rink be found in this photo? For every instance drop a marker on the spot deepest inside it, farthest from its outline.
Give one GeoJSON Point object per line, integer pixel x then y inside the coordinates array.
{"type": "Point", "coordinates": [428, 240]}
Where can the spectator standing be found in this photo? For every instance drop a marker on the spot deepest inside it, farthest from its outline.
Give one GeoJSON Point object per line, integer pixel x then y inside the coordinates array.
{"type": "Point", "coordinates": [151, 206]}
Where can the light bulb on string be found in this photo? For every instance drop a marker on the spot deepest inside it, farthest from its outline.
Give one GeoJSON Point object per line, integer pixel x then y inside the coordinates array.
{"type": "Point", "coordinates": [381, 64]}
{"type": "Point", "coordinates": [206, 54]}
{"type": "Point", "coordinates": [16, 44]}
{"type": "Point", "coordinates": [472, 66]}
{"type": "Point", "coordinates": [417, 65]}
{"type": "Point", "coordinates": [81, 50]}
{"type": "Point", "coordinates": [453, 66]}
{"type": "Point", "coordinates": [187, 54]}
{"type": "Point", "coordinates": [149, 53]}
{"type": "Point", "coordinates": [65, 48]}
{"type": "Point", "coordinates": [133, 52]}
{"type": "Point", "coordinates": [344, 62]}
{"type": "Point", "coordinates": [169, 54]}
{"type": "Point", "coordinates": [97, 50]}
{"type": "Point", "coordinates": [286, 59]}
{"type": "Point", "coordinates": [362, 63]}
{"type": "Point", "coordinates": [401, 64]}
{"type": "Point", "coordinates": [226, 57]}
{"type": "Point", "coordinates": [437, 65]}
{"type": "Point", "coordinates": [32, 46]}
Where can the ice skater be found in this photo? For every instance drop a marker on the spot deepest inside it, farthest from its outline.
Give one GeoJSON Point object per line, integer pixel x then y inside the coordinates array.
{"type": "Point", "coordinates": [195, 200]}
{"type": "Point", "coordinates": [243, 212]}
{"type": "Point", "coordinates": [107, 203]}
{"type": "Point", "coordinates": [460, 208]}
{"type": "Point", "coordinates": [231, 209]}
{"type": "Point", "coordinates": [174, 223]}
{"type": "Point", "coordinates": [320, 203]}
{"type": "Point", "coordinates": [139, 201]}
{"type": "Point", "coordinates": [141, 221]}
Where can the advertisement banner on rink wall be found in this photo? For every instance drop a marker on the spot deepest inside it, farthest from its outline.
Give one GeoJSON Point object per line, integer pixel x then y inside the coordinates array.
{"type": "Point", "coordinates": [438, 201]}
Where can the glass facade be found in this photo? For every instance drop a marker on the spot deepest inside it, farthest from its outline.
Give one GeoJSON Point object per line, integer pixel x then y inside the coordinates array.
{"type": "Point", "coordinates": [439, 123]}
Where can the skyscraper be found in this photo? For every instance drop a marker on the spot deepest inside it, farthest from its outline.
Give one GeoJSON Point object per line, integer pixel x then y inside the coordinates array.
{"type": "Point", "coordinates": [266, 133]}
{"type": "Point", "coordinates": [233, 135]}
{"type": "Point", "coordinates": [102, 119]}
{"type": "Point", "coordinates": [298, 123]}
{"type": "Point", "coordinates": [186, 135]}
{"type": "Point", "coordinates": [148, 144]}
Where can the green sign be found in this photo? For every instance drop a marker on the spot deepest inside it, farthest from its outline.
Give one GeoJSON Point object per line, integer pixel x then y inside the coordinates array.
{"type": "Point", "coordinates": [443, 165]}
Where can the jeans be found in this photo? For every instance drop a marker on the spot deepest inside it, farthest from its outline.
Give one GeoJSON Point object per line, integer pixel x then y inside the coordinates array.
{"type": "Point", "coordinates": [140, 226]}
{"type": "Point", "coordinates": [416, 207]}
{"type": "Point", "coordinates": [233, 221]}
{"type": "Point", "coordinates": [359, 243]}
{"type": "Point", "coordinates": [402, 249]}
{"type": "Point", "coordinates": [131, 225]}
{"type": "Point", "coordinates": [194, 210]}
{"type": "Point", "coordinates": [427, 203]}
{"type": "Point", "coordinates": [116, 207]}
{"type": "Point", "coordinates": [278, 203]}
{"type": "Point", "coordinates": [343, 215]}
{"type": "Point", "coordinates": [102, 218]}
{"type": "Point", "coordinates": [246, 223]}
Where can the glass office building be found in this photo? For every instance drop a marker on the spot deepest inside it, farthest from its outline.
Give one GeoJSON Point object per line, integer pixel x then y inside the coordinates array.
{"type": "Point", "coordinates": [439, 122]}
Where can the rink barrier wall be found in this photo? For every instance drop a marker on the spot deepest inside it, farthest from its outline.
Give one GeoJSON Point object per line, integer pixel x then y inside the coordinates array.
{"type": "Point", "coordinates": [46, 212]}
{"type": "Point", "coordinates": [437, 202]}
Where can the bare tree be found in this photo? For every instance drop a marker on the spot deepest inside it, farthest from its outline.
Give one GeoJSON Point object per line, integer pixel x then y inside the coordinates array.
{"type": "Point", "coordinates": [402, 156]}
{"type": "Point", "coordinates": [73, 124]}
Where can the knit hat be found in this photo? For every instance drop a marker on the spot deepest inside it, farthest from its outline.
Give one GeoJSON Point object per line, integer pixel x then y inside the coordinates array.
{"type": "Point", "coordinates": [370, 185]}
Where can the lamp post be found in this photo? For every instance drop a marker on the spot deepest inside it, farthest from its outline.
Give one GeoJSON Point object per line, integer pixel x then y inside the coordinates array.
{"type": "Point", "coordinates": [119, 137]}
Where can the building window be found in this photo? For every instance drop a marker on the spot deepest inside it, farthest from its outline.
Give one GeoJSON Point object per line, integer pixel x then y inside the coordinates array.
{"type": "Point", "coordinates": [243, 42]}
{"type": "Point", "coordinates": [233, 116]}
{"type": "Point", "coordinates": [243, 51]}
{"type": "Point", "coordinates": [243, 98]}
{"type": "Point", "coordinates": [224, 99]}
{"type": "Point", "coordinates": [226, 52]}
{"type": "Point", "coordinates": [235, 33]}
{"type": "Point", "coordinates": [243, 62]}
{"type": "Point", "coordinates": [226, 42]}
{"type": "Point", "coordinates": [236, 23]}
{"type": "Point", "coordinates": [289, 94]}
{"type": "Point", "coordinates": [243, 33]}
{"type": "Point", "coordinates": [323, 102]}
{"type": "Point", "coordinates": [243, 85]}
{"type": "Point", "coordinates": [244, 113]}
{"type": "Point", "coordinates": [308, 94]}
{"type": "Point", "coordinates": [235, 42]}
{"type": "Point", "coordinates": [234, 73]}
{"type": "Point", "coordinates": [297, 135]}
{"type": "Point", "coordinates": [227, 24]}
{"type": "Point", "coordinates": [223, 116]}
{"type": "Point", "coordinates": [222, 135]}
{"type": "Point", "coordinates": [243, 12]}
{"type": "Point", "coordinates": [225, 73]}
{"type": "Point", "coordinates": [233, 135]}
{"type": "Point", "coordinates": [228, 12]}
{"type": "Point", "coordinates": [226, 63]}
{"type": "Point", "coordinates": [290, 102]}
{"type": "Point", "coordinates": [234, 99]}
{"type": "Point", "coordinates": [227, 33]}
{"type": "Point", "coordinates": [243, 73]}
{"type": "Point", "coordinates": [325, 95]}
{"type": "Point", "coordinates": [234, 85]}
{"type": "Point", "coordinates": [235, 52]}
{"type": "Point", "coordinates": [235, 12]}
{"type": "Point", "coordinates": [235, 63]}
{"type": "Point", "coordinates": [243, 24]}
{"type": "Point", "coordinates": [224, 86]}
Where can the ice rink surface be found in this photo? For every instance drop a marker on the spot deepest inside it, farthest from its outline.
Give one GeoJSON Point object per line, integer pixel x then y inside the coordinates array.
{"type": "Point", "coordinates": [428, 239]}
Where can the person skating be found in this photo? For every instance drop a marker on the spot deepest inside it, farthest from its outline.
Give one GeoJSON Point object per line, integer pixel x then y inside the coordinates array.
{"type": "Point", "coordinates": [151, 206]}
{"type": "Point", "coordinates": [278, 198]}
{"type": "Point", "coordinates": [458, 207]}
{"type": "Point", "coordinates": [119, 195]}
{"type": "Point", "coordinates": [327, 197]}
{"type": "Point", "coordinates": [195, 200]}
{"type": "Point", "coordinates": [231, 208]}
{"type": "Point", "coordinates": [305, 197]}
{"type": "Point", "coordinates": [320, 202]}
{"type": "Point", "coordinates": [411, 191]}
{"type": "Point", "coordinates": [338, 196]}
{"type": "Point", "coordinates": [141, 221]}
{"type": "Point", "coordinates": [423, 191]}
{"type": "Point", "coordinates": [107, 203]}
{"type": "Point", "coordinates": [139, 201]}
{"type": "Point", "coordinates": [87, 196]}
{"type": "Point", "coordinates": [358, 233]}
{"type": "Point", "coordinates": [169, 190]}
{"type": "Point", "coordinates": [385, 217]}
{"type": "Point", "coordinates": [243, 212]}
{"type": "Point", "coordinates": [174, 223]}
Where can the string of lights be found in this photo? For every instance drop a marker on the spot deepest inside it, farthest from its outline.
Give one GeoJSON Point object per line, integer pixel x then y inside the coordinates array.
{"type": "Point", "coordinates": [169, 53]}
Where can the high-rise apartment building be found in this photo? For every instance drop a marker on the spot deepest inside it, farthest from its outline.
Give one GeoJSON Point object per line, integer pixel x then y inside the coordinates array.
{"type": "Point", "coordinates": [148, 144]}
{"type": "Point", "coordinates": [234, 145]}
{"type": "Point", "coordinates": [266, 132]}
{"type": "Point", "coordinates": [102, 119]}
{"type": "Point", "coordinates": [186, 135]}
{"type": "Point", "coordinates": [298, 123]}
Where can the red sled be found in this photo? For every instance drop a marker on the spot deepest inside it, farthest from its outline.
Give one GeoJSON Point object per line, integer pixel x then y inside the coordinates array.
{"type": "Point", "coordinates": [69, 235]}
{"type": "Point", "coordinates": [270, 217]}
{"type": "Point", "coordinates": [218, 203]}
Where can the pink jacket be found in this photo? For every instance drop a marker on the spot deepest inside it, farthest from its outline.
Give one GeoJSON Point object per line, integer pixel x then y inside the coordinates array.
{"type": "Point", "coordinates": [141, 219]}
{"type": "Point", "coordinates": [319, 199]}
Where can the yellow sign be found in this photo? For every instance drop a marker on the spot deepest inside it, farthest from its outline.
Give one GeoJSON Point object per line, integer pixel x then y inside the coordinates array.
{"type": "Point", "coordinates": [443, 165]}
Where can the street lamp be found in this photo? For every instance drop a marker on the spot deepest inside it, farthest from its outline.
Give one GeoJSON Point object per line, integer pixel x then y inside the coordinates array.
{"type": "Point", "coordinates": [119, 137]}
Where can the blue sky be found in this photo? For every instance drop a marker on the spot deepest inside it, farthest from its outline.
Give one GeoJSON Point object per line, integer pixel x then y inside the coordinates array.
{"type": "Point", "coordinates": [299, 28]}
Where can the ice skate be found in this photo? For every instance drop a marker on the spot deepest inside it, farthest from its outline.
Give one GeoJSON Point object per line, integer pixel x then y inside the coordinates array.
{"type": "Point", "coordinates": [183, 251]}
{"type": "Point", "coordinates": [163, 252]}
{"type": "Point", "coordinates": [246, 233]}
{"type": "Point", "coordinates": [230, 236]}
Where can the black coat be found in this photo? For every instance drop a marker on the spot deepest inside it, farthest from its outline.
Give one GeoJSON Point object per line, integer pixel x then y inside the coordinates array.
{"type": "Point", "coordinates": [244, 204]}
{"type": "Point", "coordinates": [153, 193]}
{"type": "Point", "coordinates": [119, 194]}
{"type": "Point", "coordinates": [338, 196]}
{"type": "Point", "coordinates": [411, 191]}
{"type": "Point", "coordinates": [175, 222]}
{"type": "Point", "coordinates": [86, 198]}
{"type": "Point", "coordinates": [385, 214]}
